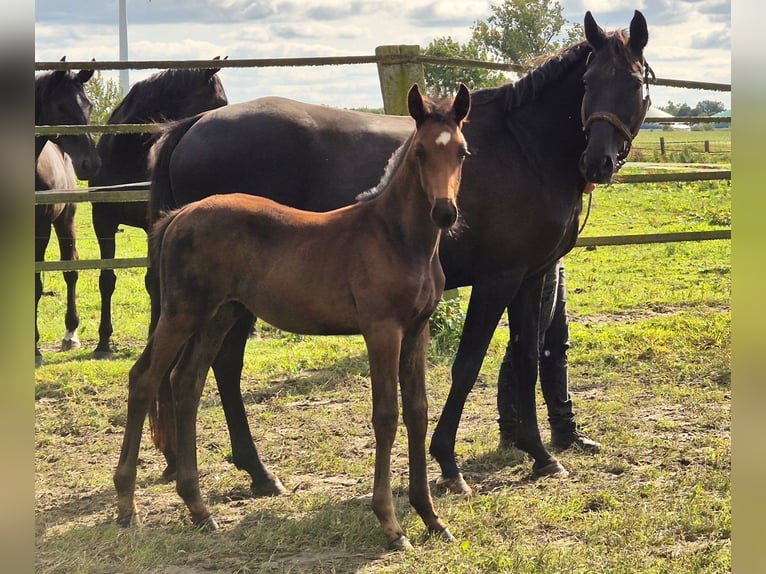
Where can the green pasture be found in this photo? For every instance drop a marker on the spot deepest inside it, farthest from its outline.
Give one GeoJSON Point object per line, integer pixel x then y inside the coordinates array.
{"type": "Point", "coordinates": [650, 378]}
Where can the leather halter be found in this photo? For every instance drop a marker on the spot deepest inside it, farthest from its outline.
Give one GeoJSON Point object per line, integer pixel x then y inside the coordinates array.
{"type": "Point", "coordinates": [617, 123]}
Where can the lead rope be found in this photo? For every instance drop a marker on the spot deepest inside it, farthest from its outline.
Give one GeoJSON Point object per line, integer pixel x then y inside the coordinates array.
{"type": "Point", "coordinates": [587, 214]}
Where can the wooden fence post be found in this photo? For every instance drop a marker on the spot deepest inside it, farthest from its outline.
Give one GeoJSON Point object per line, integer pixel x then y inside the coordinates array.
{"type": "Point", "coordinates": [396, 79]}
{"type": "Point", "coordinates": [662, 145]}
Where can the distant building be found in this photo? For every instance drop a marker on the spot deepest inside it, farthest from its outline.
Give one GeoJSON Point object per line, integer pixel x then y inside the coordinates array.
{"type": "Point", "coordinates": [655, 113]}
{"type": "Point", "coordinates": [722, 114]}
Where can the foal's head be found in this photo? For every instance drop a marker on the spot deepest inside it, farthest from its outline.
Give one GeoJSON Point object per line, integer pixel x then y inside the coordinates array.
{"type": "Point", "coordinates": [440, 149]}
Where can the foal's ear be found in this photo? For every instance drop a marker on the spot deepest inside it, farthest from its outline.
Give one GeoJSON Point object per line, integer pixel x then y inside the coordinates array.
{"type": "Point", "coordinates": [461, 105]}
{"type": "Point", "coordinates": [593, 32]}
{"type": "Point", "coordinates": [415, 105]}
{"type": "Point", "coordinates": [639, 35]}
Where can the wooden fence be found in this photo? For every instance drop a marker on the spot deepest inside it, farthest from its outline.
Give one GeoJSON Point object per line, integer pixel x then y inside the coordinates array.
{"type": "Point", "coordinates": [398, 68]}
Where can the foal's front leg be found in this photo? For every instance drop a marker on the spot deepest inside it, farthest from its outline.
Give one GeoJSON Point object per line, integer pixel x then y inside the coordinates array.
{"type": "Point", "coordinates": [383, 346]}
{"type": "Point", "coordinates": [412, 367]}
{"type": "Point", "coordinates": [65, 231]}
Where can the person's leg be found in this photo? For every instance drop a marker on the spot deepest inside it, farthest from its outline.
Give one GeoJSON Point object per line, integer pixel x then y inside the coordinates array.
{"type": "Point", "coordinates": [554, 377]}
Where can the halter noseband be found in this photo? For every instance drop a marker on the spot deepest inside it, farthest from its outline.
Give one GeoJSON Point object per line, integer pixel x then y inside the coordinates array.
{"type": "Point", "coordinates": [616, 122]}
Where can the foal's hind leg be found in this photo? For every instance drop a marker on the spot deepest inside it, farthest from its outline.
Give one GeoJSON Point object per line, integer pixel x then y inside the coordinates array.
{"type": "Point", "coordinates": [188, 381]}
{"type": "Point", "coordinates": [65, 231]}
{"type": "Point", "coordinates": [412, 367]}
{"type": "Point", "coordinates": [144, 378]}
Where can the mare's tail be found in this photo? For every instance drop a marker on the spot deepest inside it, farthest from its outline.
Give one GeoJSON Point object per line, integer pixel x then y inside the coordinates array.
{"type": "Point", "coordinates": [161, 190]}
{"type": "Point", "coordinates": [162, 420]}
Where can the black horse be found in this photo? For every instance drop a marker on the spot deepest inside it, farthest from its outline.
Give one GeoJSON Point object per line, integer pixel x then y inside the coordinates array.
{"type": "Point", "coordinates": [164, 96]}
{"type": "Point", "coordinates": [60, 99]}
{"type": "Point", "coordinates": [536, 145]}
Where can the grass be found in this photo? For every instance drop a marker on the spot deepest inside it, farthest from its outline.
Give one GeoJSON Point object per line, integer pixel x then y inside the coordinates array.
{"type": "Point", "coordinates": [650, 378]}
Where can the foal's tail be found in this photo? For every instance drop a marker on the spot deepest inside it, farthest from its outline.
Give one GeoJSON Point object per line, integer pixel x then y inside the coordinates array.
{"type": "Point", "coordinates": [162, 420]}
{"type": "Point", "coordinates": [161, 191]}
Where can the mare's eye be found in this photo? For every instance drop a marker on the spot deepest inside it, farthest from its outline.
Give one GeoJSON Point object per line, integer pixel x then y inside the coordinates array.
{"type": "Point", "coordinates": [420, 151]}
{"type": "Point", "coordinates": [463, 153]}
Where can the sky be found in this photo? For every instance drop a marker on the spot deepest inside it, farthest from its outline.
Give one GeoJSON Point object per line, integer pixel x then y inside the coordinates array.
{"type": "Point", "coordinates": [688, 39]}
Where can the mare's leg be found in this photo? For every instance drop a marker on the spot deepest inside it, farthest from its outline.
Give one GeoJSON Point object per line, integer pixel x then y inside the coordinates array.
{"type": "Point", "coordinates": [412, 373]}
{"type": "Point", "coordinates": [188, 381]}
{"type": "Point", "coordinates": [383, 347]}
{"type": "Point", "coordinates": [42, 237]}
{"type": "Point", "coordinates": [227, 368]}
{"type": "Point", "coordinates": [488, 300]}
{"type": "Point", "coordinates": [65, 231]}
{"type": "Point", "coordinates": [105, 230]}
{"type": "Point", "coordinates": [144, 378]}
{"type": "Point", "coordinates": [524, 321]}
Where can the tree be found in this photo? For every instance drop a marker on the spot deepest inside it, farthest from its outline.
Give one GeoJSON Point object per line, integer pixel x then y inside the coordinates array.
{"type": "Point", "coordinates": [708, 108]}
{"type": "Point", "coordinates": [517, 32]}
{"type": "Point", "coordinates": [104, 95]}
{"type": "Point", "coordinates": [441, 81]}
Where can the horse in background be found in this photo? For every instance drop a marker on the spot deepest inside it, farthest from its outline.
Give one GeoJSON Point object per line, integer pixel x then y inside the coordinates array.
{"type": "Point", "coordinates": [373, 268]}
{"type": "Point", "coordinates": [60, 99]}
{"type": "Point", "coordinates": [162, 97]}
{"type": "Point", "coordinates": [536, 144]}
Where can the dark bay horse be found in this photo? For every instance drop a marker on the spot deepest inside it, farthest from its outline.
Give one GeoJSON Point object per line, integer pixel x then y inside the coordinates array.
{"type": "Point", "coordinates": [536, 144]}
{"type": "Point", "coordinates": [60, 99]}
{"type": "Point", "coordinates": [373, 268]}
{"type": "Point", "coordinates": [164, 96]}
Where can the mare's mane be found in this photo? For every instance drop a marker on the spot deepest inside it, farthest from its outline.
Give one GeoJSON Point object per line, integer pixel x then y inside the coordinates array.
{"type": "Point", "coordinates": [43, 88]}
{"type": "Point", "coordinates": [160, 91]}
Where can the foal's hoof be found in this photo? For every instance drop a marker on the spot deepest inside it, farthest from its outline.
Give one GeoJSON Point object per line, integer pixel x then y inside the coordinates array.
{"type": "Point", "coordinates": [268, 488]}
{"type": "Point", "coordinates": [169, 474]}
{"type": "Point", "coordinates": [102, 355]}
{"type": "Point", "coordinates": [455, 485]}
{"type": "Point", "coordinates": [129, 521]}
{"type": "Point", "coordinates": [207, 525]}
{"type": "Point", "coordinates": [551, 470]}
{"type": "Point", "coordinates": [38, 361]}
{"type": "Point", "coordinates": [401, 544]}
{"type": "Point", "coordinates": [445, 535]}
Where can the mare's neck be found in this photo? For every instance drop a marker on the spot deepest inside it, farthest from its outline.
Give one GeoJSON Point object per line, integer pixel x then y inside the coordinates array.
{"type": "Point", "coordinates": [549, 127]}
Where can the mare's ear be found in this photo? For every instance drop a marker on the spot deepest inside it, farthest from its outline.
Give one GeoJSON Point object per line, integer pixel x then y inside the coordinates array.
{"type": "Point", "coordinates": [59, 75]}
{"type": "Point", "coordinates": [85, 75]}
{"type": "Point", "coordinates": [461, 105]}
{"type": "Point", "coordinates": [415, 105]}
{"type": "Point", "coordinates": [210, 72]}
{"type": "Point", "coordinates": [639, 35]}
{"type": "Point", "coordinates": [593, 32]}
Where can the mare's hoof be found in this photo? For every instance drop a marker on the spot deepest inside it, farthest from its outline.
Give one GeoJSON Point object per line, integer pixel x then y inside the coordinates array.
{"type": "Point", "coordinates": [401, 544]}
{"type": "Point", "coordinates": [70, 344]}
{"type": "Point", "coordinates": [551, 470]}
{"type": "Point", "coordinates": [38, 361]}
{"type": "Point", "coordinates": [446, 535]}
{"type": "Point", "coordinates": [129, 521]}
{"type": "Point", "coordinates": [207, 524]}
{"type": "Point", "coordinates": [455, 485]}
{"type": "Point", "coordinates": [268, 488]}
{"type": "Point", "coordinates": [102, 355]}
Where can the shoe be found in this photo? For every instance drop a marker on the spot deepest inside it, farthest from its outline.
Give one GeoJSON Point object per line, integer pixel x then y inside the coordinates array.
{"type": "Point", "coordinates": [564, 440]}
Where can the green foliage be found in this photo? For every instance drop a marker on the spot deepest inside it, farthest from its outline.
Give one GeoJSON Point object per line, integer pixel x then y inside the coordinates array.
{"type": "Point", "coordinates": [703, 108]}
{"type": "Point", "coordinates": [516, 32]}
{"type": "Point", "coordinates": [104, 94]}
{"type": "Point", "coordinates": [446, 326]}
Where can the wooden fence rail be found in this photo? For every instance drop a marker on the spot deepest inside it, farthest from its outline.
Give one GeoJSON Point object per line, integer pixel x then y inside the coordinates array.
{"type": "Point", "coordinates": [410, 60]}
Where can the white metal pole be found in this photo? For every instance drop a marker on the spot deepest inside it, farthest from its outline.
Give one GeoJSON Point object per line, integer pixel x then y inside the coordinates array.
{"type": "Point", "coordinates": [124, 80]}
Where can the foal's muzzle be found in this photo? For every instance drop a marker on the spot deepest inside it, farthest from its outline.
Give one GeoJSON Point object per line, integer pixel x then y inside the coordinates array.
{"type": "Point", "coordinates": [444, 213]}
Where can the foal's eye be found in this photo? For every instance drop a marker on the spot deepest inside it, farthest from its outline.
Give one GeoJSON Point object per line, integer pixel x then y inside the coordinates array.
{"type": "Point", "coordinates": [463, 153]}
{"type": "Point", "coordinates": [420, 151]}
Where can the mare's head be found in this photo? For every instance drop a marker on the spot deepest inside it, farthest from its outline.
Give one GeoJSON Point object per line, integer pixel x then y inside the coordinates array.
{"type": "Point", "coordinates": [614, 104]}
{"type": "Point", "coordinates": [171, 95]}
{"type": "Point", "coordinates": [440, 148]}
{"type": "Point", "coordinates": [60, 99]}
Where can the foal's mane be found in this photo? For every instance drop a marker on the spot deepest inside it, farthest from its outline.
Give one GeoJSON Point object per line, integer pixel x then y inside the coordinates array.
{"type": "Point", "coordinates": [43, 88]}
{"type": "Point", "coordinates": [437, 111]}
{"type": "Point", "coordinates": [156, 95]}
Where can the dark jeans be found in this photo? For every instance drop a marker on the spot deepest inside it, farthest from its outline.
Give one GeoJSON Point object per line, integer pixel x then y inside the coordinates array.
{"type": "Point", "coordinates": [553, 367]}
